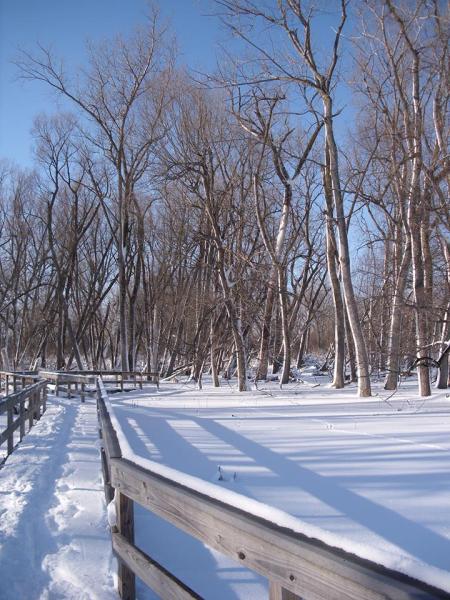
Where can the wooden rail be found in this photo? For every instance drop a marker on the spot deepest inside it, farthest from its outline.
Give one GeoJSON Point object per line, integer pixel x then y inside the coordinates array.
{"type": "Point", "coordinates": [71, 384]}
{"type": "Point", "coordinates": [120, 378]}
{"type": "Point", "coordinates": [12, 381]}
{"type": "Point", "coordinates": [295, 565]}
{"type": "Point", "coordinates": [27, 405]}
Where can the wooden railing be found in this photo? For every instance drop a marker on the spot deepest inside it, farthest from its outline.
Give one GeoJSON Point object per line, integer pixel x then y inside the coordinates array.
{"type": "Point", "coordinates": [295, 565]}
{"type": "Point", "coordinates": [115, 378]}
{"type": "Point", "coordinates": [22, 408]}
{"type": "Point", "coordinates": [71, 384]}
{"type": "Point", "coordinates": [12, 381]}
{"type": "Point", "coordinates": [121, 378]}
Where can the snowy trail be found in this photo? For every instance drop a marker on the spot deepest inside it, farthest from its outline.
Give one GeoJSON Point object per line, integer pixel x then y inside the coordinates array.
{"type": "Point", "coordinates": [54, 538]}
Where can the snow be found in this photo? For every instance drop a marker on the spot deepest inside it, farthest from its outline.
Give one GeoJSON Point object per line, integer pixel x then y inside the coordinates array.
{"type": "Point", "coordinates": [54, 536]}
{"type": "Point", "coordinates": [371, 476]}
{"type": "Point", "coordinates": [111, 513]}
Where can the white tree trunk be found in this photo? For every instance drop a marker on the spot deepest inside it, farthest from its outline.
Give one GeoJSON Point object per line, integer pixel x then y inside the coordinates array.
{"type": "Point", "coordinates": [364, 388]}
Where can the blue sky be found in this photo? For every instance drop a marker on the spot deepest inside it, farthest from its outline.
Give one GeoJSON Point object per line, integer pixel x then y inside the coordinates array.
{"type": "Point", "coordinates": [65, 25]}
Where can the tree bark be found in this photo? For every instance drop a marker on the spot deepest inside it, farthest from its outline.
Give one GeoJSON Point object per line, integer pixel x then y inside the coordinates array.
{"type": "Point", "coordinates": [364, 388]}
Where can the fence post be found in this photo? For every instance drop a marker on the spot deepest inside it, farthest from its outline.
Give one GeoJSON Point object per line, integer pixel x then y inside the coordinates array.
{"type": "Point", "coordinates": [30, 411]}
{"type": "Point", "coordinates": [38, 404]}
{"type": "Point", "coordinates": [44, 399]}
{"type": "Point", "coordinates": [11, 432]}
{"type": "Point", "coordinates": [276, 592]}
{"type": "Point", "coordinates": [125, 525]}
{"type": "Point", "coordinates": [22, 418]}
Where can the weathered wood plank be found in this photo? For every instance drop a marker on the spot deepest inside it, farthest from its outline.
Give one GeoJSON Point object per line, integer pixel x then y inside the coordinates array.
{"type": "Point", "coordinates": [17, 400]}
{"type": "Point", "coordinates": [299, 564]}
{"type": "Point", "coordinates": [109, 491]}
{"type": "Point", "coordinates": [109, 436]}
{"type": "Point", "coordinates": [125, 523]}
{"type": "Point", "coordinates": [30, 409]}
{"type": "Point", "coordinates": [7, 433]}
{"type": "Point", "coordinates": [22, 419]}
{"type": "Point", "coordinates": [14, 399]}
{"type": "Point", "coordinates": [162, 582]}
{"type": "Point", "coordinates": [276, 592]}
{"type": "Point", "coordinates": [67, 377]}
{"type": "Point", "coordinates": [10, 430]}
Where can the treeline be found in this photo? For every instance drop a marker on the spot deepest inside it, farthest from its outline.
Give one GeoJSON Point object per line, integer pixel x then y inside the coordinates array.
{"type": "Point", "coordinates": [180, 224]}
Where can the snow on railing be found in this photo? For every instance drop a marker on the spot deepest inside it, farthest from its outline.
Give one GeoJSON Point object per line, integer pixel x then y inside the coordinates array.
{"type": "Point", "coordinates": [75, 383]}
{"type": "Point", "coordinates": [69, 383]}
{"type": "Point", "coordinates": [22, 407]}
{"type": "Point", "coordinates": [297, 565]}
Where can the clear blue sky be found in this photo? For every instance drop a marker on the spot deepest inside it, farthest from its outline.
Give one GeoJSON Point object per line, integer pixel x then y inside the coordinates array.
{"type": "Point", "coordinates": [65, 25]}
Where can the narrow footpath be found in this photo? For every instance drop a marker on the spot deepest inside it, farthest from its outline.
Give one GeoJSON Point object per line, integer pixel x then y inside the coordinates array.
{"type": "Point", "coordinates": [54, 537]}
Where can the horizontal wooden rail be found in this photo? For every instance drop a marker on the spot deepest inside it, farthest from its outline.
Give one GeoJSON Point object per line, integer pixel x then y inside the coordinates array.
{"type": "Point", "coordinates": [27, 405]}
{"type": "Point", "coordinates": [12, 381]}
{"type": "Point", "coordinates": [295, 565]}
{"type": "Point", "coordinates": [120, 378]}
{"type": "Point", "coordinates": [74, 383]}
{"type": "Point", "coordinates": [71, 384]}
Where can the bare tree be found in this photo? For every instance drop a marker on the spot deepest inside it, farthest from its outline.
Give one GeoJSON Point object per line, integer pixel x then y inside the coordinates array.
{"type": "Point", "coordinates": [122, 96]}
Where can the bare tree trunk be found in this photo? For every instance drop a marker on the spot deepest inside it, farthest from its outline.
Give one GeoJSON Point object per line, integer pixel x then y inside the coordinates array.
{"type": "Point", "coordinates": [385, 307]}
{"type": "Point", "coordinates": [174, 352]}
{"type": "Point", "coordinates": [364, 388]}
{"type": "Point", "coordinates": [420, 308]}
{"type": "Point", "coordinates": [156, 328]}
{"type": "Point", "coordinates": [284, 327]}
{"type": "Point", "coordinates": [213, 350]}
{"type": "Point", "coordinates": [303, 347]}
{"type": "Point", "coordinates": [263, 359]}
{"type": "Point", "coordinates": [393, 363]}
{"type": "Point", "coordinates": [443, 377]}
{"type": "Point", "coordinates": [339, 325]}
{"type": "Point", "coordinates": [350, 348]}
{"type": "Point", "coordinates": [123, 293]}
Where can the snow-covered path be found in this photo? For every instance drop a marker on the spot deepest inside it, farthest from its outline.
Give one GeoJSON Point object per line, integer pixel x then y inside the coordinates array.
{"type": "Point", "coordinates": [54, 537]}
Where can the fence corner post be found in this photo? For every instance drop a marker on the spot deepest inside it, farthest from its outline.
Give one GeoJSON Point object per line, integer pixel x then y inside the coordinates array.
{"type": "Point", "coordinates": [277, 592]}
{"type": "Point", "coordinates": [125, 525]}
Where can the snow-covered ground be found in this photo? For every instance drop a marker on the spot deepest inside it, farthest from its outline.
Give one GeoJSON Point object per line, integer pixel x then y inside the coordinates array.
{"type": "Point", "coordinates": [371, 476]}
{"type": "Point", "coordinates": [54, 537]}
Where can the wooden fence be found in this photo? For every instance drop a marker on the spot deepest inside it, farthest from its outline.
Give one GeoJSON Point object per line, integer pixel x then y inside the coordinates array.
{"type": "Point", "coordinates": [295, 565]}
{"type": "Point", "coordinates": [71, 384]}
{"type": "Point", "coordinates": [22, 408]}
{"type": "Point", "coordinates": [120, 378]}
{"type": "Point", "coordinates": [12, 381]}
{"type": "Point", "coordinates": [77, 382]}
